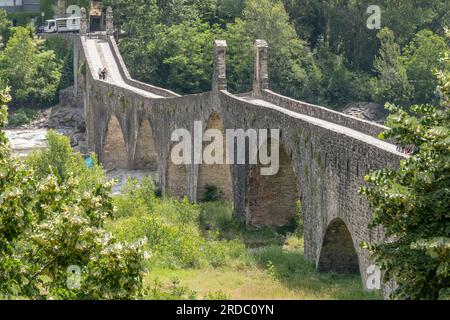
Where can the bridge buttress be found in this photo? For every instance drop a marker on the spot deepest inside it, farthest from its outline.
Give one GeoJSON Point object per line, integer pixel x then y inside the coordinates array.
{"type": "Point", "coordinates": [261, 71]}
{"type": "Point", "coordinates": [219, 81]}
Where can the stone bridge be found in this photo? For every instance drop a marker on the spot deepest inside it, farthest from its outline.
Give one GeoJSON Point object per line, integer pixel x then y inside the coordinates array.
{"type": "Point", "coordinates": [324, 155]}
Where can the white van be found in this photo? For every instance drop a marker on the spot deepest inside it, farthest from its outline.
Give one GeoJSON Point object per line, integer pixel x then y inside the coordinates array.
{"type": "Point", "coordinates": [71, 24]}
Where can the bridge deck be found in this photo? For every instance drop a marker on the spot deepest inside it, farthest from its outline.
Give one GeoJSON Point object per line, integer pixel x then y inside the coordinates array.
{"type": "Point", "coordinates": [100, 56]}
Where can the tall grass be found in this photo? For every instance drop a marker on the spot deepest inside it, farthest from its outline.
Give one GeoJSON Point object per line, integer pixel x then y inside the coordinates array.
{"type": "Point", "coordinates": [172, 228]}
{"type": "Point", "coordinates": [209, 248]}
{"type": "Point", "coordinates": [219, 218]}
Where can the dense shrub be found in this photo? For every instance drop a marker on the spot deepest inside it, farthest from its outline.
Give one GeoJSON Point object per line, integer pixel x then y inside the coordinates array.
{"type": "Point", "coordinates": [50, 224]}
{"type": "Point", "coordinates": [172, 228]}
{"type": "Point", "coordinates": [63, 50]}
{"type": "Point", "coordinates": [22, 116]}
{"type": "Point", "coordinates": [218, 218]}
{"type": "Point", "coordinates": [412, 203]}
{"type": "Point", "coordinates": [59, 159]}
{"type": "Point", "coordinates": [217, 215]}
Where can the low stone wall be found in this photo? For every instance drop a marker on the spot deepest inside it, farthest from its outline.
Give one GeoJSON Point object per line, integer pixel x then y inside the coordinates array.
{"type": "Point", "coordinates": [311, 110]}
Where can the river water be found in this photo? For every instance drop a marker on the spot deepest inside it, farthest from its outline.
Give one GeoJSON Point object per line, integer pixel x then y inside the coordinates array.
{"type": "Point", "coordinates": [23, 142]}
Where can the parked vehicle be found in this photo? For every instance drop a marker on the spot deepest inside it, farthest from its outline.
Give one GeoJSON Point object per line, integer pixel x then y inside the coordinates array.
{"type": "Point", "coordinates": [71, 24]}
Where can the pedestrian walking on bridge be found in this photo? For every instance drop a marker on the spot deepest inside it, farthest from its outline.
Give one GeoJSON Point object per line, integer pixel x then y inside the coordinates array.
{"type": "Point", "coordinates": [104, 73]}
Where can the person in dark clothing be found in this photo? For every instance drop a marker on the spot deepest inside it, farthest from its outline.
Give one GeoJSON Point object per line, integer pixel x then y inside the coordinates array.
{"type": "Point", "coordinates": [100, 73]}
{"type": "Point", "coordinates": [104, 73]}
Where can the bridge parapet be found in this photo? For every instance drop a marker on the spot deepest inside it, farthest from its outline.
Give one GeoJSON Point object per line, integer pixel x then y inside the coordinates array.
{"type": "Point", "coordinates": [363, 126]}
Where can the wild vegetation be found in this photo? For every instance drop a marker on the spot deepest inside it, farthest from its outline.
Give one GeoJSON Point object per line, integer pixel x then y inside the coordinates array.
{"type": "Point", "coordinates": [45, 68]}
{"type": "Point", "coordinates": [412, 204]}
{"type": "Point", "coordinates": [320, 51]}
{"type": "Point", "coordinates": [57, 217]}
{"type": "Point", "coordinates": [52, 224]}
{"type": "Point", "coordinates": [56, 214]}
{"type": "Point", "coordinates": [195, 249]}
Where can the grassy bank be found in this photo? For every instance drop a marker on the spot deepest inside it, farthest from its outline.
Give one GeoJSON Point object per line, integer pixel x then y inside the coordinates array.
{"type": "Point", "coordinates": [201, 251]}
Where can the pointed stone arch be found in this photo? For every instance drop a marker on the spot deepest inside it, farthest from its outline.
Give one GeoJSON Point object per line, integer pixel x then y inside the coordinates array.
{"type": "Point", "coordinates": [338, 252]}
{"type": "Point", "coordinates": [146, 155]}
{"type": "Point", "coordinates": [114, 149]}
{"type": "Point", "coordinates": [217, 175]}
{"type": "Point", "coordinates": [272, 200]}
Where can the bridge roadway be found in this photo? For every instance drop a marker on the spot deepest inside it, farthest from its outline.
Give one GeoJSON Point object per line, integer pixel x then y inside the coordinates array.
{"type": "Point", "coordinates": [100, 55]}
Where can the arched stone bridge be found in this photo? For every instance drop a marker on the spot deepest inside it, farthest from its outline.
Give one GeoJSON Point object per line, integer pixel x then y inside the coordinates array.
{"type": "Point", "coordinates": [324, 155]}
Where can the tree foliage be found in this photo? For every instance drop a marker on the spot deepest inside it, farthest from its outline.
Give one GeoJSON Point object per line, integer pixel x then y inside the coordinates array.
{"type": "Point", "coordinates": [4, 27]}
{"type": "Point", "coordinates": [292, 70]}
{"type": "Point", "coordinates": [408, 76]}
{"type": "Point", "coordinates": [422, 58]}
{"type": "Point", "coordinates": [35, 80]}
{"type": "Point", "coordinates": [63, 50]}
{"type": "Point", "coordinates": [391, 83]}
{"type": "Point", "coordinates": [320, 51]}
{"type": "Point", "coordinates": [412, 203]}
{"type": "Point", "coordinates": [49, 224]}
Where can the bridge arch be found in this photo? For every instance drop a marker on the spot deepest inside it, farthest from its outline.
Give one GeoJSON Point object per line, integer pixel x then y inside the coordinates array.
{"type": "Point", "coordinates": [272, 200]}
{"type": "Point", "coordinates": [146, 155]}
{"type": "Point", "coordinates": [114, 148]}
{"type": "Point", "coordinates": [217, 175]}
{"type": "Point", "coordinates": [338, 252]}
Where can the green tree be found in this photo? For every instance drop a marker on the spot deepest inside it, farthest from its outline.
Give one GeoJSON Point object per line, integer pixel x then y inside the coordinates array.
{"type": "Point", "coordinates": [339, 85]}
{"type": "Point", "coordinates": [64, 55]}
{"type": "Point", "coordinates": [137, 22]}
{"type": "Point", "coordinates": [340, 24]}
{"type": "Point", "coordinates": [185, 52]}
{"type": "Point", "coordinates": [412, 203]}
{"type": "Point", "coordinates": [58, 159]}
{"type": "Point", "coordinates": [5, 25]}
{"type": "Point", "coordinates": [407, 18]}
{"type": "Point", "coordinates": [134, 18]}
{"type": "Point", "coordinates": [48, 225]}
{"type": "Point", "coordinates": [35, 80]}
{"type": "Point", "coordinates": [169, 45]}
{"type": "Point", "coordinates": [229, 10]}
{"type": "Point", "coordinates": [47, 8]}
{"type": "Point", "coordinates": [391, 84]}
{"type": "Point", "coordinates": [177, 11]}
{"type": "Point", "coordinates": [343, 24]}
{"type": "Point", "coordinates": [292, 70]}
{"type": "Point", "coordinates": [422, 58]}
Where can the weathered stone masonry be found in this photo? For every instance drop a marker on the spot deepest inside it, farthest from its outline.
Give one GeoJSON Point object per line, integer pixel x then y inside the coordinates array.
{"type": "Point", "coordinates": [324, 155]}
